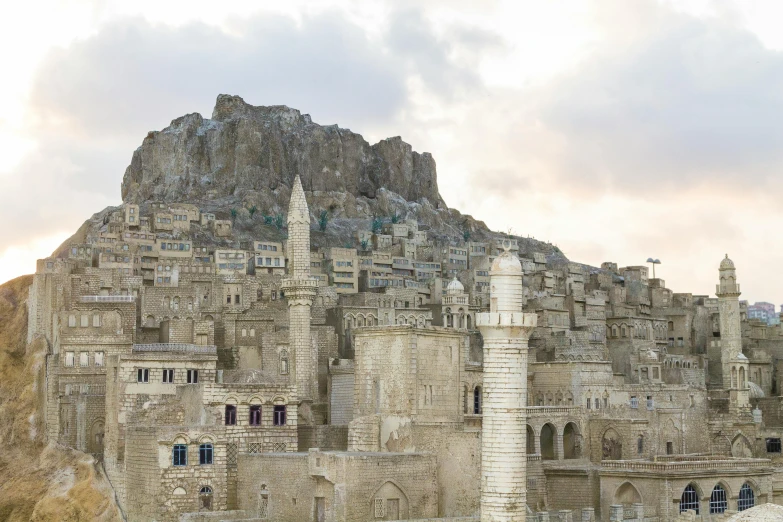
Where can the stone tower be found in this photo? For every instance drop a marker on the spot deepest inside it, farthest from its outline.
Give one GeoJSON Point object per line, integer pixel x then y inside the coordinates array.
{"type": "Point", "coordinates": [503, 435]}
{"type": "Point", "coordinates": [300, 290]}
{"type": "Point", "coordinates": [734, 365]}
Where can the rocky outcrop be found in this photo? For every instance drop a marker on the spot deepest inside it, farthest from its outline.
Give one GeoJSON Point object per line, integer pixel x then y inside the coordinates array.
{"type": "Point", "coordinates": [245, 149]}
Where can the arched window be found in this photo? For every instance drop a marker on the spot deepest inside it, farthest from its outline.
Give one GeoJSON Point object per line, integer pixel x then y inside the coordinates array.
{"type": "Point", "coordinates": [689, 499]}
{"type": "Point", "coordinates": [231, 415]}
{"type": "Point", "coordinates": [718, 502]}
{"type": "Point", "coordinates": [205, 454]}
{"type": "Point", "coordinates": [623, 332]}
{"type": "Point", "coordinates": [205, 498]}
{"type": "Point", "coordinates": [477, 400]}
{"type": "Point", "coordinates": [746, 498]}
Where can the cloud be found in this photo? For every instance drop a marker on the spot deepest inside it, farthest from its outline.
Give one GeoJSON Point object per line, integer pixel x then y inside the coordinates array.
{"type": "Point", "coordinates": [688, 101]}
{"type": "Point", "coordinates": [91, 103]}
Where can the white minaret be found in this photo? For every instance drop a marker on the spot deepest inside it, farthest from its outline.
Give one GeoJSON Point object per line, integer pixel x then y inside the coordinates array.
{"type": "Point", "coordinates": [734, 364]}
{"type": "Point", "coordinates": [300, 290]}
{"type": "Point", "coordinates": [503, 430]}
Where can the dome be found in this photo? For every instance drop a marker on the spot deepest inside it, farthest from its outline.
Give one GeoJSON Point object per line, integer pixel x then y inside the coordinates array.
{"type": "Point", "coordinates": [506, 263]}
{"type": "Point", "coordinates": [726, 263]}
{"type": "Point", "coordinates": [755, 391]}
{"type": "Point", "coordinates": [455, 287]}
{"type": "Point", "coordinates": [762, 513]}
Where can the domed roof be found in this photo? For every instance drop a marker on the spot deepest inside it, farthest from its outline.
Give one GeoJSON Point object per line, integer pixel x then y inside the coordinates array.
{"type": "Point", "coordinates": [762, 513]}
{"type": "Point", "coordinates": [455, 287]}
{"type": "Point", "coordinates": [755, 391]}
{"type": "Point", "coordinates": [726, 263]}
{"type": "Point", "coordinates": [506, 263]}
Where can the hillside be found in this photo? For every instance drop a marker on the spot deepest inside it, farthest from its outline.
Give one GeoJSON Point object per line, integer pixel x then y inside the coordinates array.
{"type": "Point", "coordinates": [39, 483]}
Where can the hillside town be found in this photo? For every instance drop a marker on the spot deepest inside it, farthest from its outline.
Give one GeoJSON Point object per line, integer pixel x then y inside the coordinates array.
{"type": "Point", "coordinates": [275, 381]}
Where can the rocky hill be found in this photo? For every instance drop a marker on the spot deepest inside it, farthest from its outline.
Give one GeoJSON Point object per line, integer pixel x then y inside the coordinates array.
{"type": "Point", "coordinates": [241, 163]}
{"type": "Point", "coordinates": [38, 482]}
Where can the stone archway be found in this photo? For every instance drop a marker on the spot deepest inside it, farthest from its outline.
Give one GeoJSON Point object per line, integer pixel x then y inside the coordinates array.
{"type": "Point", "coordinates": [95, 442]}
{"type": "Point", "coordinates": [571, 442]}
{"type": "Point", "coordinates": [548, 435]}
{"type": "Point", "coordinates": [627, 495]}
{"type": "Point", "coordinates": [611, 445]}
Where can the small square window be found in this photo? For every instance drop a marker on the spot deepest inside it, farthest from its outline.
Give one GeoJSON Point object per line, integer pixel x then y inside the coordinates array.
{"type": "Point", "coordinates": [773, 445]}
{"type": "Point", "coordinates": [98, 358]}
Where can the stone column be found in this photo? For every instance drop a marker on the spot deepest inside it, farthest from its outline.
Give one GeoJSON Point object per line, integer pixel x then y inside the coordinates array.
{"type": "Point", "coordinates": [639, 510]}
{"type": "Point", "coordinates": [616, 513]}
{"type": "Point", "coordinates": [543, 516]}
{"type": "Point", "coordinates": [503, 444]}
{"type": "Point", "coordinates": [588, 515]}
{"type": "Point", "coordinates": [565, 515]}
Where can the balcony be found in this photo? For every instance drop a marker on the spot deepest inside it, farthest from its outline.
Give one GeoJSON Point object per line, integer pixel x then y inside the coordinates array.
{"type": "Point", "coordinates": [106, 299]}
{"type": "Point", "coordinates": [175, 347]}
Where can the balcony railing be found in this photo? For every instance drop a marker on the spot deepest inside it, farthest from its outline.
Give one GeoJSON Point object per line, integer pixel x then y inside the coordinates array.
{"type": "Point", "coordinates": [686, 465]}
{"type": "Point", "coordinates": [107, 298]}
{"type": "Point", "coordinates": [175, 347]}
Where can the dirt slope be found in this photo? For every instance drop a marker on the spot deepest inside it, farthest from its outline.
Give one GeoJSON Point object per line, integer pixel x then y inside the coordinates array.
{"type": "Point", "coordinates": [38, 482]}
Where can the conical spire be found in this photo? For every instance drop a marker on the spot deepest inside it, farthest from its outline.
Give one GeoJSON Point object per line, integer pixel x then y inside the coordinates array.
{"type": "Point", "coordinates": [297, 208]}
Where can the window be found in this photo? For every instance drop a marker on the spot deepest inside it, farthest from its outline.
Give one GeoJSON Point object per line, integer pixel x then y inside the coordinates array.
{"type": "Point", "coordinates": [180, 455]}
{"type": "Point", "coordinates": [279, 416]}
{"type": "Point", "coordinates": [85, 321]}
{"type": "Point", "coordinates": [773, 445]}
{"type": "Point", "coordinates": [378, 508]}
{"type": "Point", "coordinates": [231, 415]}
{"type": "Point", "coordinates": [231, 453]}
{"type": "Point", "coordinates": [192, 376]}
{"type": "Point", "coordinates": [746, 498]}
{"type": "Point", "coordinates": [168, 376]}
{"type": "Point", "coordinates": [669, 448]}
{"type": "Point", "coordinates": [84, 358]}
{"type": "Point", "coordinates": [649, 402]}
{"type": "Point", "coordinates": [143, 375]}
{"type": "Point", "coordinates": [718, 501]}
{"type": "Point", "coordinates": [254, 448]}
{"type": "Point", "coordinates": [689, 500]}
{"type": "Point", "coordinates": [72, 321]}
{"type": "Point", "coordinates": [69, 358]}
{"type": "Point", "coordinates": [477, 400]}
{"type": "Point", "coordinates": [205, 454]}
{"type": "Point", "coordinates": [640, 445]}
{"type": "Point", "coordinates": [98, 358]}
{"type": "Point", "coordinates": [597, 403]}
{"type": "Point", "coordinates": [255, 415]}
{"type": "Point", "coordinates": [205, 498]}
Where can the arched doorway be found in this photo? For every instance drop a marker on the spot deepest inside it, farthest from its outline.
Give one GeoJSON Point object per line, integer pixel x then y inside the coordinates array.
{"type": "Point", "coordinates": [571, 444]}
{"type": "Point", "coordinates": [531, 441]}
{"type": "Point", "coordinates": [205, 499]}
{"type": "Point", "coordinates": [627, 495]}
{"type": "Point", "coordinates": [548, 434]}
{"type": "Point", "coordinates": [389, 503]}
{"type": "Point", "coordinates": [747, 499]}
{"type": "Point", "coordinates": [611, 446]}
{"type": "Point", "coordinates": [718, 500]}
{"type": "Point", "coordinates": [95, 444]}
{"type": "Point", "coordinates": [689, 499]}
{"type": "Point", "coordinates": [740, 447]}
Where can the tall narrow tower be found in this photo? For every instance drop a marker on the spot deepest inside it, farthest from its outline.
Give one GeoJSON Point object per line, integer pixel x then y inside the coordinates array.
{"type": "Point", "coordinates": [503, 431]}
{"type": "Point", "coordinates": [300, 290]}
{"type": "Point", "coordinates": [735, 366]}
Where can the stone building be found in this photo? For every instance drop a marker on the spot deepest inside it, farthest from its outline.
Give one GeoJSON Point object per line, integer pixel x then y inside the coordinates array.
{"type": "Point", "coordinates": [413, 378]}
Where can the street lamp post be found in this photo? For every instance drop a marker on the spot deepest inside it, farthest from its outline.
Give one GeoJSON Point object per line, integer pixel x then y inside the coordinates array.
{"type": "Point", "coordinates": [653, 262]}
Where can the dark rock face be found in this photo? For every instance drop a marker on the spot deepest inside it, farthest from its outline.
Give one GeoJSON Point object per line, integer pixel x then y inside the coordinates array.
{"type": "Point", "coordinates": [244, 148]}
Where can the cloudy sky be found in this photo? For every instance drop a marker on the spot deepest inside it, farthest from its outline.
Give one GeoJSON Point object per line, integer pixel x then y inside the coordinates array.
{"type": "Point", "coordinates": [616, 129]}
